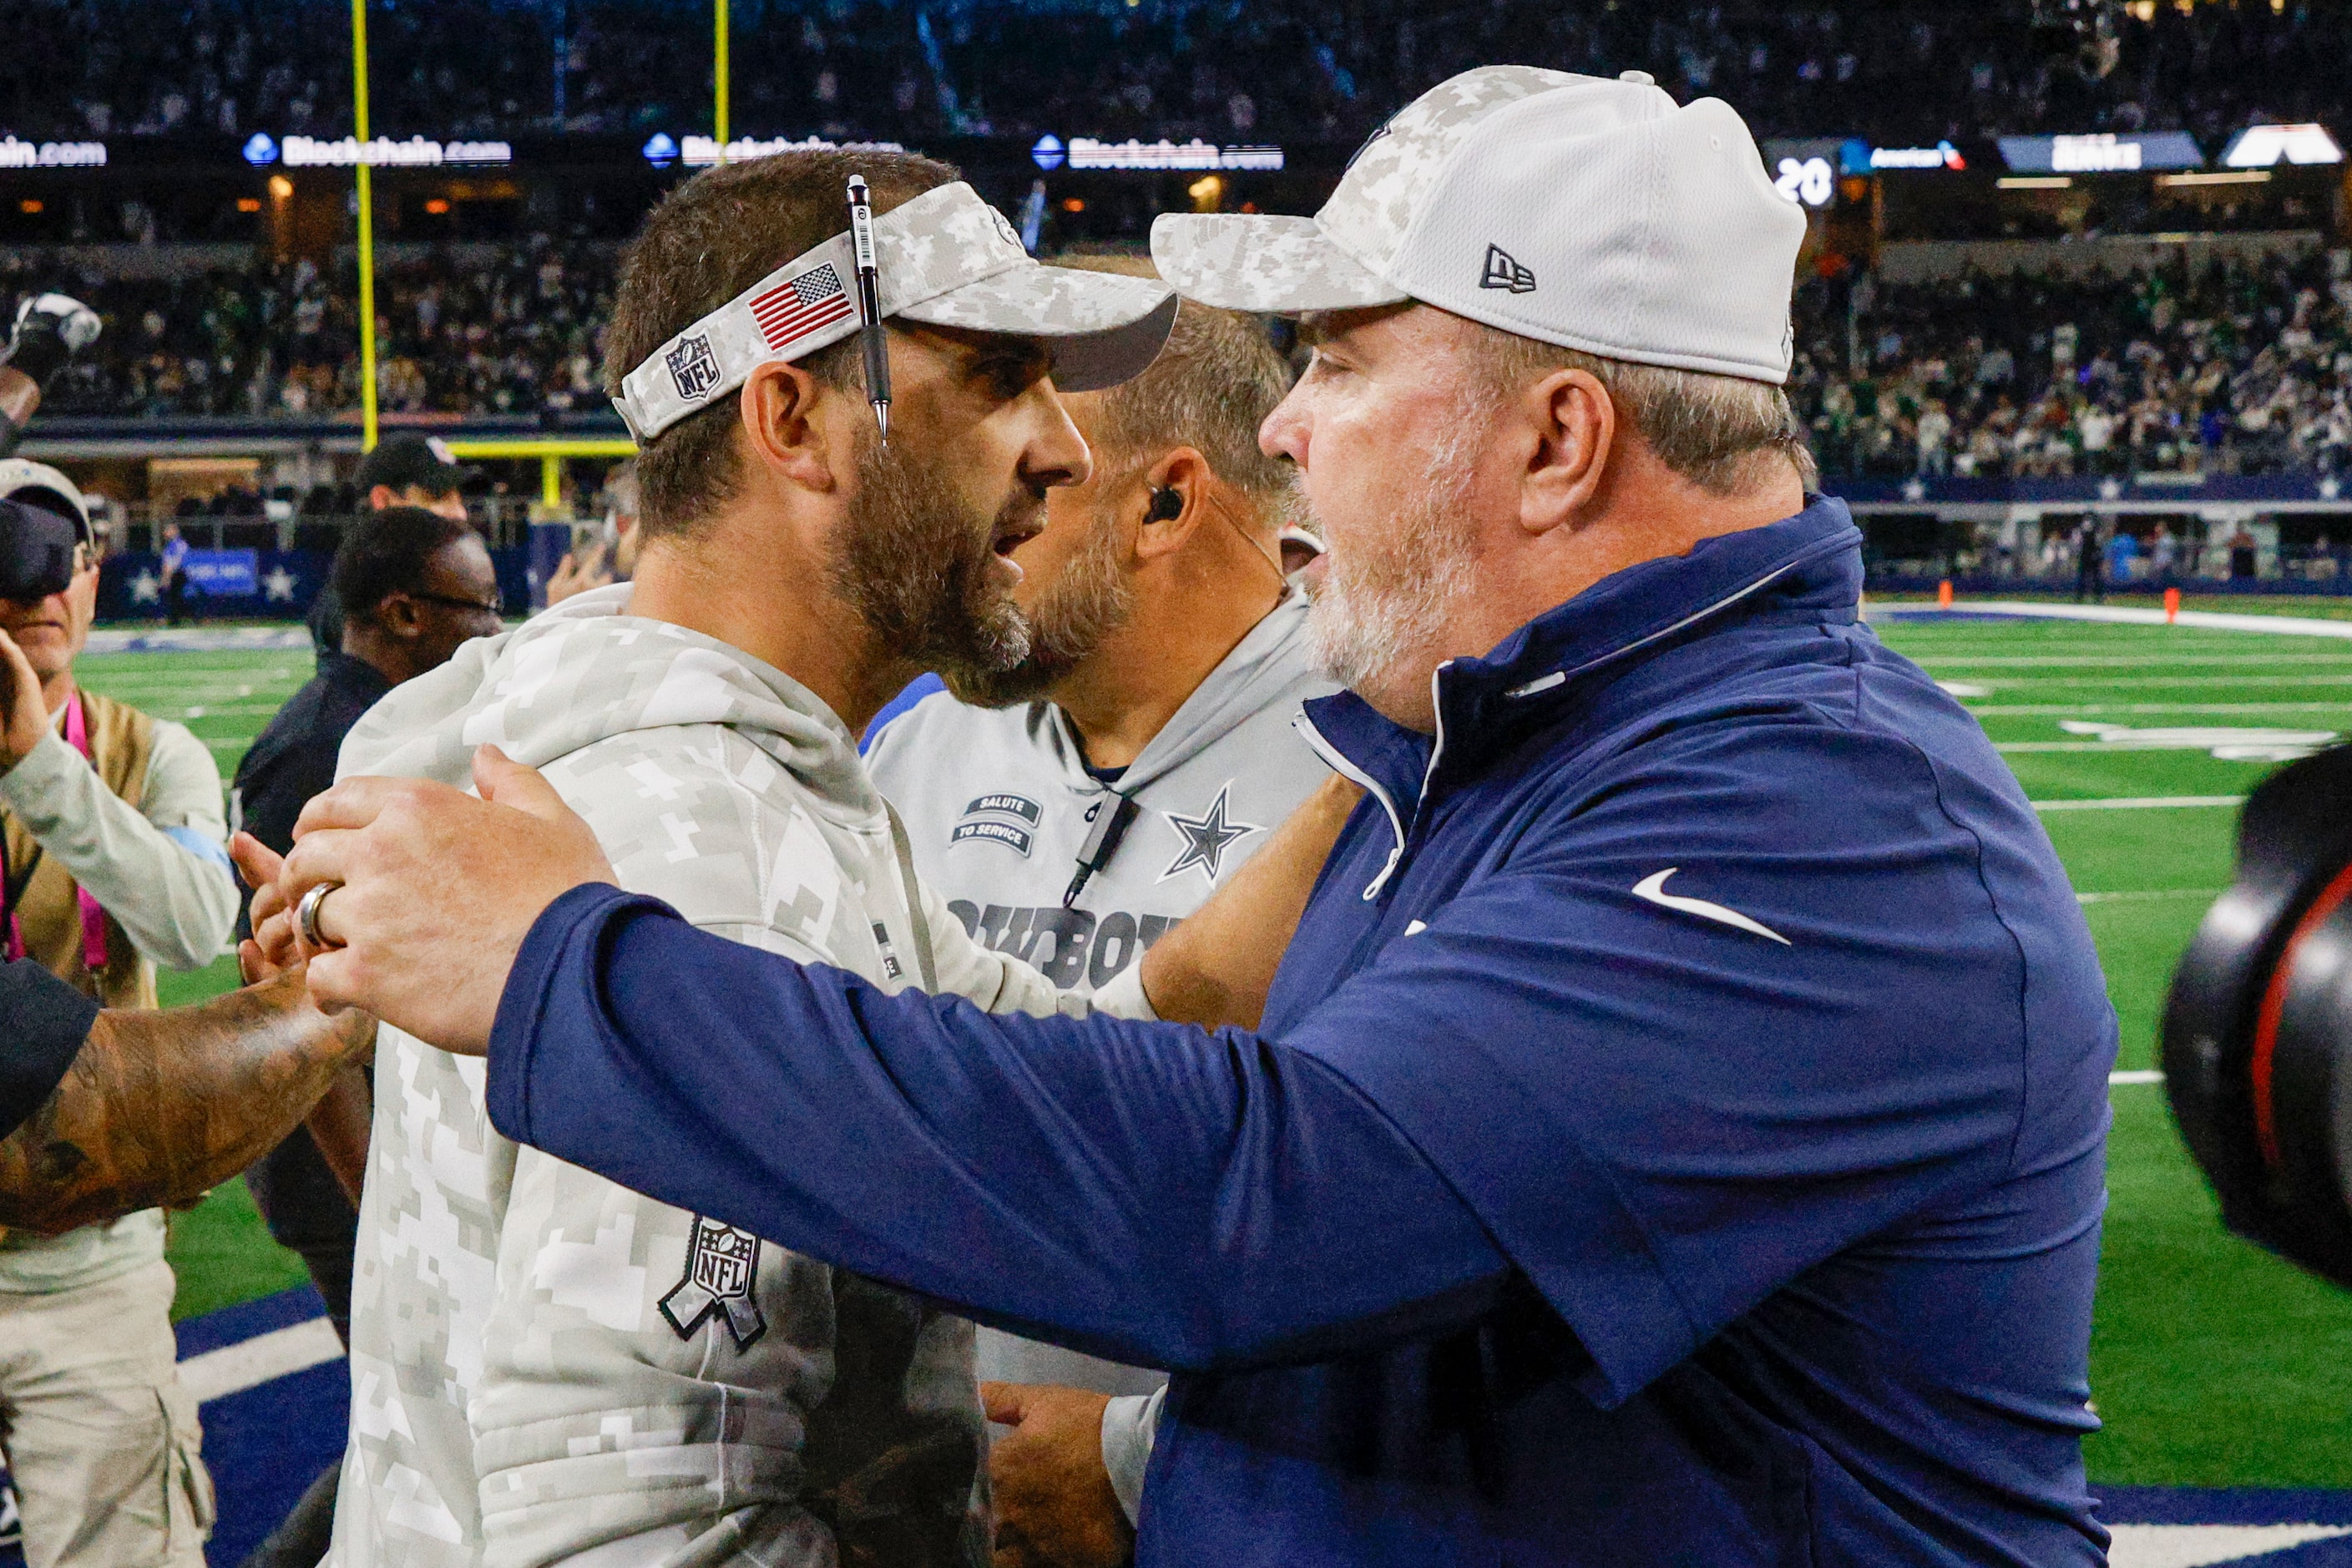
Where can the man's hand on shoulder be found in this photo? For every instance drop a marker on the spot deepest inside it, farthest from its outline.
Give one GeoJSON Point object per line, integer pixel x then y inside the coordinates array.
{"type": "Point", "coordinates": [1055, 1505]}
{"type": "Point", "coordinates": [429, 893]}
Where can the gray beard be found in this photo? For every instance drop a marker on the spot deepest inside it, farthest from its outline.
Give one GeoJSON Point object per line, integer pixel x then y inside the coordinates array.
{"type": "Point", "coordinates": [1383, 608]}
{"type": "Point", "coordinates": [1090, 601]}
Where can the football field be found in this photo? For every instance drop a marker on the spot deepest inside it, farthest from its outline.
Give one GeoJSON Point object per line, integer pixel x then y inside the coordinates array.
{"type": "Point", "coordinates": [2214, 1364]}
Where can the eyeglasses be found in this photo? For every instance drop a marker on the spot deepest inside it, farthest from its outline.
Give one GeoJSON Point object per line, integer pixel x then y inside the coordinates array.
{"type": "Point", "coordinates": [478, 606]}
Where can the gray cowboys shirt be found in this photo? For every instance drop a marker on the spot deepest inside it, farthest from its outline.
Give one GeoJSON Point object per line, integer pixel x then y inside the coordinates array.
{"type": "Point", "coordinates": [1000, 805]}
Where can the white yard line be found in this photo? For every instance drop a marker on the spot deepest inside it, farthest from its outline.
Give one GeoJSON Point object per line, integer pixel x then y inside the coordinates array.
{"type": "Point", "coordinates": [2159, 893]}
{"type": "Point", "coordinates": [2140, 802]}
{"type": "Point", "coordinates": [249, 1364]}
{"type": "Point", "coordinates": [2057, 710]}
{"type": "Point", "coordinates": [2006, 682]}
{"type": "Point", "coordinates": [2006, 746]}
{"type": "Point", "coordinates": [2122, 616]}
{"type": "Point", "coordinates": [189, 639]}
{"type": "Point", "coordinates": [2150, 659]}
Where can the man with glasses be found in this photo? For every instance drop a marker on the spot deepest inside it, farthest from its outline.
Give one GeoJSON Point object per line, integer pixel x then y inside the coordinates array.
{"type": "Point", "coordinates": [114, 864]}
{"type": "Point", "coordinates": [414, 584]}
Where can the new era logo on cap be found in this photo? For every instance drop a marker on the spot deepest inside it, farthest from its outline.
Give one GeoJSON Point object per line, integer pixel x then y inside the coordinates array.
{"type": "Point", "coordinates": [1642, 229]}
{"type": "Point", "coordinates": [1504, 271]}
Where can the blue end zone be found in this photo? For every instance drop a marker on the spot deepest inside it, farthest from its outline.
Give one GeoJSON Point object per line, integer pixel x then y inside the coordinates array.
{"type": "Point", "coordinates": [264, 1445]}
{"type": "Point", "coordinates": [2224, 1505]}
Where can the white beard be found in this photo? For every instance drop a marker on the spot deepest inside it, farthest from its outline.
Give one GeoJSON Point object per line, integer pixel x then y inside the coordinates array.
{"type": "Point", "coordinates": [1383, 606]}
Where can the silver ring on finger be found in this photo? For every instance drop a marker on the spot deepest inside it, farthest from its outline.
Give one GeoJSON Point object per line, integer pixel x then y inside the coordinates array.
{"type": "Point", "coordinates": [306, 915]}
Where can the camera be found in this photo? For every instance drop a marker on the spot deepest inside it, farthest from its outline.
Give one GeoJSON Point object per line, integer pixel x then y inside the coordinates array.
{"type": "Point", "coordinates": [37, 552]}
{"type": "Point", "coordinates": [2257, 1036]}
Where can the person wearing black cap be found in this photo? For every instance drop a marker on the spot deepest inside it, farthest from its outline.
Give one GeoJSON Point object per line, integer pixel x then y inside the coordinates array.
{"type": "Point", "coordinates": [403, 469]}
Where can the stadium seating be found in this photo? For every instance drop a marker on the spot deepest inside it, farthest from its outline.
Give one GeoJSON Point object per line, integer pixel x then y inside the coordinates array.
{"type": "Point", "coordinates": [1898, 70]}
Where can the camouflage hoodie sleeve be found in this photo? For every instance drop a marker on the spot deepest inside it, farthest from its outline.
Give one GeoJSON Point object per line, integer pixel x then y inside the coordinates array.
{"type": "Point", "coordinates": [662, 1389]}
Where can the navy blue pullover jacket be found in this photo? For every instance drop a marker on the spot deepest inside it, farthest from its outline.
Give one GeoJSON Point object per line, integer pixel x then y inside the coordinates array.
{"type": "Point", "coordinates": [1675, 1135]}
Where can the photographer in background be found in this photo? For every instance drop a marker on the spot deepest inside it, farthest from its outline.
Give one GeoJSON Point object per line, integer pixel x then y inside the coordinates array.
{"type": "Point", "coordinates": [115, 862]}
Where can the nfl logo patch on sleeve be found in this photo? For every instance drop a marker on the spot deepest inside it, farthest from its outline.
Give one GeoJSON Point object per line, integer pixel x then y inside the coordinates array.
{"type": "Point", "coordinates": [721, 1266]}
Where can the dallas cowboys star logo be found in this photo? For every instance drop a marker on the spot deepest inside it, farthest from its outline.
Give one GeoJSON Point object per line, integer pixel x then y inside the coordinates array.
{"type": "Point", "coordinates": [1206, 838]}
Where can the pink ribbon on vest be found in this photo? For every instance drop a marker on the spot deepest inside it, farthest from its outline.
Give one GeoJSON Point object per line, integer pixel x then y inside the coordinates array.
{"type": "Point", "coordinates": [93, 918]}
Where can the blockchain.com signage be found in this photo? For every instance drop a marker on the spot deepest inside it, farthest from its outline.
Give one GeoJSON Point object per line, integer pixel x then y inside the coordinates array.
{"type": "Point", "coordinates": [377, 152]}
{"type": "Point", "coordinates": [2107, 153]}
{"type": "Point", "coordinates": [1051, 153]}
{"type": "Point", "coordinates": [15, 155]}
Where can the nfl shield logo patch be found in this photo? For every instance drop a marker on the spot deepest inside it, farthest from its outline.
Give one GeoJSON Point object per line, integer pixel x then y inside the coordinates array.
{"type": "Point", "coordinates": [693, 368]}
{"type": "Point", "coordinates": [720, 1265]}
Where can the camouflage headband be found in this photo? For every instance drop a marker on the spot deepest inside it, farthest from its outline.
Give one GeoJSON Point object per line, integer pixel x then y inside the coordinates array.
{"type": "Point", "coordinates": [946, 258]}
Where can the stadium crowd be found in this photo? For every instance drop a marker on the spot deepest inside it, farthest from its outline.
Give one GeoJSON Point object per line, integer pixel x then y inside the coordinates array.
{"type": "Point", "coordinates": [1898, 70]}
{"type": "Point", "coordinates": [2240, 367]}
{"type": "Point", "coordinates": [2237, 367]}
{"type": "Point", "coordinates": [510, 328]}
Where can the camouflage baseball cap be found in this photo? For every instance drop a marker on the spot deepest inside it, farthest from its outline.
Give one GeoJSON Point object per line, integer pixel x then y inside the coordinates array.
{"type": "Point", "coordinates": [1594, 214]}
{"type": "Point", "coordinates": [944, 258]}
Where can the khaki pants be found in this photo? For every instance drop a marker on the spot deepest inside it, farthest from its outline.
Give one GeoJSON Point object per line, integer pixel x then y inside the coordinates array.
{"type": "Point", "coordinates": [99, 1436]}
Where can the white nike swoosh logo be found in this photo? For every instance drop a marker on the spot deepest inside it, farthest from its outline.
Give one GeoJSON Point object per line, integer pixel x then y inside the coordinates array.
{"type": "Point", "coordinates": [1654, 889]}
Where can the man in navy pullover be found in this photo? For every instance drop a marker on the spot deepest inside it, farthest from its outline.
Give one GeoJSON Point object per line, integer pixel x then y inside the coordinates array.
{"type": "Point", "coordinates": [1675, 1132]}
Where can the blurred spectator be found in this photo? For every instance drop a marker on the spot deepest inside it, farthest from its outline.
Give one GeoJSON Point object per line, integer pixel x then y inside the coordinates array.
{"type": "Point", "coordinates": [611, 556]}
{"type": "Point", "coordinates": [1902, 71]}
{"type": "Point", "coordinates": [2243, 366]}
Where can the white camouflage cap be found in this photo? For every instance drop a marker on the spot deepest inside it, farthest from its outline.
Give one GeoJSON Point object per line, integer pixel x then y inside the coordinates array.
{"type": "Point", "coordinates": [1594, 214]}
{"type": "Point", "coordinates": [40, 485]}
{"type": "Point", "coordinates": [945, 258]}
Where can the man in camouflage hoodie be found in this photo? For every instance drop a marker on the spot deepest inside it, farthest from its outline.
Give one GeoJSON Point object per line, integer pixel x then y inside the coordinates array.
{"type": "Point", "coordinates": [547, 1368]}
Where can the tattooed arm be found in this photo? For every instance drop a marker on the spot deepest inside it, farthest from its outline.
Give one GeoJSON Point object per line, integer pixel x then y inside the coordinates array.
{"type": "Point", "coordinates": [160, 1105]}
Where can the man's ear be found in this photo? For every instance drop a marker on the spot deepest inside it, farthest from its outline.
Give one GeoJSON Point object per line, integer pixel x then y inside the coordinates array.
{"type": "Point", "coordinates": [396, 615]}
{"type": "Point", "coordinates": [779, 409]}
{"type": "Point", "coordinates": [1175, 501]}
{"type": "Point", "coordinates": [1575, 425]}
{"type": "Point", "coordinates": [380, 496]}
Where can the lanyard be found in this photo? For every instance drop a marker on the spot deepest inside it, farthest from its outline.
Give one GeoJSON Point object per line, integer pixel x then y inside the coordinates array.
{"type": "Point", "coordinates": [93, 918]}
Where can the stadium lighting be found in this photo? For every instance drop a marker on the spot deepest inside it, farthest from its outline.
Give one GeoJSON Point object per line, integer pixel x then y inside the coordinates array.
{"type": "Point", "coordinates": [2226, 177]}
{"type": "Point", "coordinates": [2267, 146]}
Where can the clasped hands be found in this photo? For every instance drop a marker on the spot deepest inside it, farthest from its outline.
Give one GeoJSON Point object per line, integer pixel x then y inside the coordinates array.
{"type": "Point", "coordinates": [428, 893]}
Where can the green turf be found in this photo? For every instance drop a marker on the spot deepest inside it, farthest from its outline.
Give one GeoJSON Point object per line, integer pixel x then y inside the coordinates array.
{"type": "Point", "coordinates": [2212, 1362]}
{"type": "Point", "coordinates": [220, 1249]}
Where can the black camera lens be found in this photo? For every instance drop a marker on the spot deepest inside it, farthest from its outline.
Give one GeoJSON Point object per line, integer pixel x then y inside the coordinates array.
{"type": "Point", "coordinates": [37, 552]}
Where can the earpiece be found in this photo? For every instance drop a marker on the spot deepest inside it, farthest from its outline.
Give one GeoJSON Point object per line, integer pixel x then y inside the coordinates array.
{"type": "Point", "coordinates": [1166, 505]}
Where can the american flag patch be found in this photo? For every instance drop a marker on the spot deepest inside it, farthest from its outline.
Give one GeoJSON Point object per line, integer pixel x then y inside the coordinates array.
{"type": "Point", "coordinates": [799, 306]}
